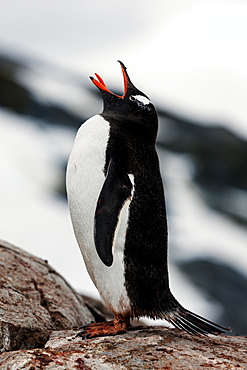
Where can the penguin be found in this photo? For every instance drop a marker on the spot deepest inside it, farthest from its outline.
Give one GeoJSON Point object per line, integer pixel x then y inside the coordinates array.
{"type": "Point", "coordinates": [117, 206]}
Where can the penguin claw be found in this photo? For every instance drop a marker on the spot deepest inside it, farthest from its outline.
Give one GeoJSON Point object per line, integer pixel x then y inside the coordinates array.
{"type": "Point", "coordinates": [80, 334]}
{"type": "Point", "coordinates": [83, 335]}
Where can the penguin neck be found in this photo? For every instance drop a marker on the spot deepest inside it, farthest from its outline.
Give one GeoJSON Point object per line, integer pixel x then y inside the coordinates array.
{"type": "Point", "coordinates": [139, 129]}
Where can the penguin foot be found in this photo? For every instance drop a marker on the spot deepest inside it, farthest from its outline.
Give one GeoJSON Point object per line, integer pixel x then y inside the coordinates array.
{"type": "Point", "coordinates": [116, 326]}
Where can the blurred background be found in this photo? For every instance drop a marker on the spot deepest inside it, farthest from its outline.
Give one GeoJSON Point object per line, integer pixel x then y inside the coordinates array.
{"type": "Point", "coordinates": [190, 58]}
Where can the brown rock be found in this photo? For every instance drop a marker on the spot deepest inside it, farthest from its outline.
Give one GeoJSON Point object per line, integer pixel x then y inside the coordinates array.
{"type": "Point", "coordinates": [150, 348]}
{"type": "Point", "coordinates": [36, 305]}
{"type": "Point", "coordinates": [34, 299]}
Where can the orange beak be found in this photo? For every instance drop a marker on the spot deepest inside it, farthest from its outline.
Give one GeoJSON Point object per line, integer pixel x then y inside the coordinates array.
{"type": "Point", "coordinates": [100, 83]}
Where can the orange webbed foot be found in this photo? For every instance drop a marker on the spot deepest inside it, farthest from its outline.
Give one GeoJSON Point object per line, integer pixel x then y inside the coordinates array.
{"type": "Point", "coordinates": [116, 326]}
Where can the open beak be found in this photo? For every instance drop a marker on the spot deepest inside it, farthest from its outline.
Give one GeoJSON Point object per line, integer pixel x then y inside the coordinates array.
{"type": "Point", "coordinates": [99, 82]}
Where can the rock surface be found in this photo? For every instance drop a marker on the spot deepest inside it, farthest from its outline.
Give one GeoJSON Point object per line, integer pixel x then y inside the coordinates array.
{"type": "Point", "coordinates": [149, 348]}
{"type": "Point", "coordinates": [34, 299]}
{"type": "Point", "coordinates": [38, 310]}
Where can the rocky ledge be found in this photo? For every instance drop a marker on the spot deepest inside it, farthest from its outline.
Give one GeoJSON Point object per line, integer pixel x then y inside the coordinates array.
{"type": "Point", "coordinates": [38, 310]}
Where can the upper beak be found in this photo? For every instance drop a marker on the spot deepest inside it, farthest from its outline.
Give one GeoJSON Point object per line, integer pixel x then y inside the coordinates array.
{"type": "Point", "coordinates": [99, 82]}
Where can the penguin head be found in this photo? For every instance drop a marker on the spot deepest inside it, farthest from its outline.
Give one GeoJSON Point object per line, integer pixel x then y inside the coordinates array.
{"type": "Point", "coordinates": [133, 109]}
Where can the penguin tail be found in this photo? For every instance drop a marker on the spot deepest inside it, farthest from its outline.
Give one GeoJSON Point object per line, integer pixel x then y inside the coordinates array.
{"type": "Point", "coordinates": [192, 323]}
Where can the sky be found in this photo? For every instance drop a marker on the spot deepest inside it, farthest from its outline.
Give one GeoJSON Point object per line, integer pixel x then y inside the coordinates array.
{"type": "Point", "coordinates": [187, 54]}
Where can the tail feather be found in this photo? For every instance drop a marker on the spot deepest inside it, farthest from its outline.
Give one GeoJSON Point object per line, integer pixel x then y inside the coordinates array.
{"type": "Point", "coordinates": [193, 323]}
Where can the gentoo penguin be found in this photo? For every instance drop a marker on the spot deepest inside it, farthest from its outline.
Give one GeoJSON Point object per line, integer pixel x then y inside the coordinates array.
{"type": "Point", "coordinates": [117, 206]}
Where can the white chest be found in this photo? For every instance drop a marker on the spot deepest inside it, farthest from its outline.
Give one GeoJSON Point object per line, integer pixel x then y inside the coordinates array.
{"type": "Point", "coordinates": [85, 178]}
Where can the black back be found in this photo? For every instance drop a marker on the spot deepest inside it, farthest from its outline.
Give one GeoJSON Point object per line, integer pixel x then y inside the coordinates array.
{"type": "Point", "coordinates": [131, 145]}
{"type": "Point", "coordinates": [131, 150]}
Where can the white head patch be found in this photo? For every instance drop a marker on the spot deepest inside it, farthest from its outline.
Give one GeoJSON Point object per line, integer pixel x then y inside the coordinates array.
{"type": "Point", "coordinates": [142, 99]}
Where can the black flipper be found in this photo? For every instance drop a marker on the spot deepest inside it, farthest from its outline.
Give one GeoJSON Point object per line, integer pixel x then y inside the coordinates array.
{"type": "Point", "coordinates": [193, 323]}
{"type": "Point", "coordinates": [115, 191]}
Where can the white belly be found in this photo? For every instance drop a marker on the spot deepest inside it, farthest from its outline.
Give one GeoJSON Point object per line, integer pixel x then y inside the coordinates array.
{"type": "Point", "coordinates": [85, 178]}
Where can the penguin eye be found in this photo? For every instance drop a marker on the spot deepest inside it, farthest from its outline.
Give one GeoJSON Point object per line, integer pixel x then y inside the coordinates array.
{"type": "Point", "coordinates": [132, 98]}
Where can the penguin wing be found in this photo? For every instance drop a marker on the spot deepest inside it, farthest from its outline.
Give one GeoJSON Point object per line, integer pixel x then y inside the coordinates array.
{"type": "Point", "coordinates": [115, 191]}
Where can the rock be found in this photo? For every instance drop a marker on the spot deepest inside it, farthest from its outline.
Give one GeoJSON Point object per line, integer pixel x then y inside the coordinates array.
{"type": "Point", "coordinates": [20, 99]}
{"type": "Point", "coordinates": [35, 299]}
{"type": "Point", "coordinates": [37, 305]}
{"type": "Point", "coordinates": [215, 152]}
{"type": "Point", "coordinates": [149, 348]}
